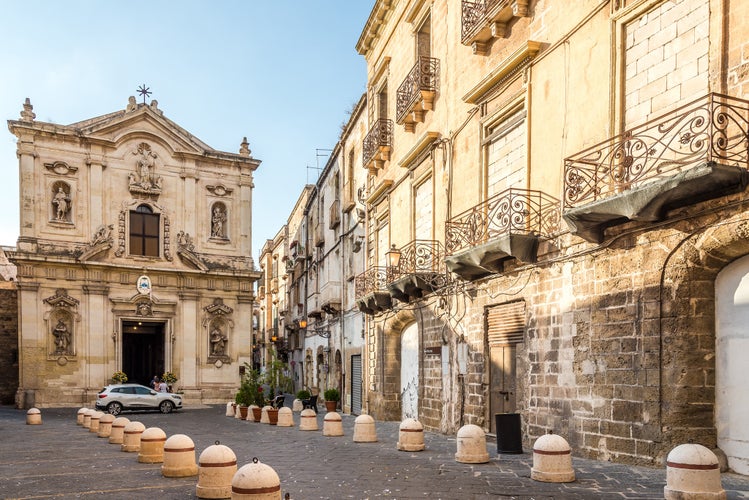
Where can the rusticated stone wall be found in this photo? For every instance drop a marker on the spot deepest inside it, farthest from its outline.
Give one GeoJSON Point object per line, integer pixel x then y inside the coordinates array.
{"type": "Point", "coordinates": [8, 342]}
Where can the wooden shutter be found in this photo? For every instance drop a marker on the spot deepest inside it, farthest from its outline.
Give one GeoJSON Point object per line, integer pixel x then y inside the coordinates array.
{"type": "Point", "coordinates": [505, 323]}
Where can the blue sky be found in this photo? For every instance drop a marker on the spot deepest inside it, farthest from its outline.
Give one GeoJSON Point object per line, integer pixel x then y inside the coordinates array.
{"type": "Point", "coordinates": [282, 73]}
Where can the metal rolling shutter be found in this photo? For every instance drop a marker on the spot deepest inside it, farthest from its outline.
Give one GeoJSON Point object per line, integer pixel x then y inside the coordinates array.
{"type": "Point", "coordinates": [505, 323]}
{"type": "Point", "coordinates": [356, 384]}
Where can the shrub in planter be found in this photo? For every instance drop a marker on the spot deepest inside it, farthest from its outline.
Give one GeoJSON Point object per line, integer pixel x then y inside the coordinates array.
{"type": "Point", "coordinates": [332, 396]}
{"type": "Point", "coordinates": [302, 395]}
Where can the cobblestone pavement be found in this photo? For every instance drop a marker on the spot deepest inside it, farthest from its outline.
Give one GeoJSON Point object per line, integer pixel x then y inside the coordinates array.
{"type": "Point", "coordinates": [60, 459]}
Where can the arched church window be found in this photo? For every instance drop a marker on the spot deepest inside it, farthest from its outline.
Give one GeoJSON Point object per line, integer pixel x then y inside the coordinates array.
{"type": "Point", "coordinates": [144, 232]}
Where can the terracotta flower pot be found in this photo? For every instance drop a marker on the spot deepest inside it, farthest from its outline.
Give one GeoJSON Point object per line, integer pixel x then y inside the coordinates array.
{"type": "Point", "coordinates": [272, 416]}
{"type": "Point", "coordinates": [243, 412]}
{"type": "Point", "coordinates": [257, 412]}
{"type": "Point", "coordinates": [331, 405]}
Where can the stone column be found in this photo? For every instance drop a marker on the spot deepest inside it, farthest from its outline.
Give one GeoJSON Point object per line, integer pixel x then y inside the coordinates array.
{"type": "Point", "coordinates": [96, 333]}
{"type": "Point", "coordinates": [29, 208]}
{"type": "Point", "coordinates": [187, 353]}
{"type": "Point", "coordinates": [191, 208]}
{"type": "Point", "coordinates": [31, 341]}
{"type": "Point", "coordinates": [96, 164]}
{"type": "Point", "coordinates": [245, 214]}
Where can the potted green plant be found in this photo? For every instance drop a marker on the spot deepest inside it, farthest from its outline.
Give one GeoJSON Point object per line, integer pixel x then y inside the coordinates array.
{"type": "Point", "coordinates": [332, 396]}
{"type": "Point", "coordinates": [302, 395]}
{"type": "Point", "coordinates": [244, 397]}
{"type": "Point", "coordinates": [119, 377]}
{"type": "Point", "coordinates": [170, 379]}
{"type": "Point", "coordinates": [255, 397]}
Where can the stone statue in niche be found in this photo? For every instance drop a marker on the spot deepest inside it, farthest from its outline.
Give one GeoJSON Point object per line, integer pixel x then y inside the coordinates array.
{"type": "Point", "coordinates": [217, 222]}
{"type": "Point", "coordinates": [62, 338]}
{"type": "Point", "coordinates": [218, 342]}
{"type": "Point", "coordinates": [144, 180]}
{"type": "Point", "coordinates": [61, 201]}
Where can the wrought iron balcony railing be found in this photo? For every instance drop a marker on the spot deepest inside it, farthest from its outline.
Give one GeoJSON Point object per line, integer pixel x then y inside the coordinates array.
{"type": "Point", "coordinates": [420, 84]}
{"type": "Point", "coordinates": [710, 129]}
{"type": "Point", "coordinates": [378, 141]}
{"type": "Point", "coordinates": [419, 257]}
{"type": "Point", "coordinates": [517, 211]}
{"type": "Point", "coordinates": [374, 279]}
{"type": "Point", "coordinates": [473, 17]}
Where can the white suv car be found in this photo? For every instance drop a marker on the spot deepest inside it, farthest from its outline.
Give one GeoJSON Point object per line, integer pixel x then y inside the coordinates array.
{"type": "Point", "coordinates": [118, 397]}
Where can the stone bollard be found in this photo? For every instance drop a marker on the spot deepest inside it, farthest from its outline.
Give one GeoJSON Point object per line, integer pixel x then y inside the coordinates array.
{"type": "Point", "coordinates": [297, 405]}
{"type": "Point", "coordinates": [179, 457]}
{"type": "Point", "coordinates": [152, 446]}
{"type": "Point", "coordinates": [87, 418]}
{"type": "Point", "coordinates": [117, 435]}
{"type": "Point", "coordinates": [80, 415]}
{"type": "Point", "coordinates": [364, 429]}
{"type": "Point", "coordinates": [264, 415]}
{"type": "Point", "coordinates": [216, 468]}
{"type": "Point", "coordinates": [237, 412]}
{"type": "Point", "coordinates": [332, 424]}
{"type": "Point", "coordinates": [552, 460]}
{"type": "Point", "coordinates": [308, 420]}
{"type": "Point", "coordinates": [471, 445]}
{"type": "Point", "coordinates": [131, 437]}
{"type": "Point", "coordinates": [692, 473]}
{"type": "Point", "coordinates": [230, 409]}
{"type": "Point", "coordinates": [105, 425]}
{"type": "Point", "coordinates": [34, 416]}
{"type": "Point", "coordinates": [95, 419]}
{"type": "Point", "coordinates": [411, 435]}
{"type": "Point", "coordinates": [285, 417]}
{"type": "Point", "coordinates": [255, 481]}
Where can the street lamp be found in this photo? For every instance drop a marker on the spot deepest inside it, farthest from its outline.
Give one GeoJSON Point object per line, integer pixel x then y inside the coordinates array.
{"type": "Point", "coordinates": [393, 256]}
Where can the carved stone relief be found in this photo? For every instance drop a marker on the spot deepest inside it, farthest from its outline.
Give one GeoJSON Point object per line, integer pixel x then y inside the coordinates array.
{"type": "Point", "coordinates": [218, 221]}
{"type": "Point", "coordinates": [218, 324]}
{"type": "Point", "coordinates": [61, 202]}
{"type": "Point", "coordinates": [61, 320]}
{"type": "Point", "coordinates": [144, 180]}
{"type": "Point", "coordinates": [60, 168]}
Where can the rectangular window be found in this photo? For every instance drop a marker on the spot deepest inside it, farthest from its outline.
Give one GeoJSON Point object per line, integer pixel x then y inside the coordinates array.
{"type": "Point", "coordinates": [144, 232]}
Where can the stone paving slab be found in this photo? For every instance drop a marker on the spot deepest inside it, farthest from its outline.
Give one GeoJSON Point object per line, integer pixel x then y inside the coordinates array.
{"type": "Point", "coordinates": [62, 460]}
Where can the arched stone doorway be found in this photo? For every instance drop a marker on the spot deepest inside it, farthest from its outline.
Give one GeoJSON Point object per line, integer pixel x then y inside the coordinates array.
{"type": "Point", "coordinates": [731, 361]}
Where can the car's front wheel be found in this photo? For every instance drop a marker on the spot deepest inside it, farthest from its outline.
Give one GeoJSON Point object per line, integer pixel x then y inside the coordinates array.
{"type": "Point", "coordinates": [114, 408]}
{"type": "Point", "coordinates": [166, 407]}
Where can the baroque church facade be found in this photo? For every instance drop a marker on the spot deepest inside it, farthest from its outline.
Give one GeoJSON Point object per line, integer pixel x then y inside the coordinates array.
{"type": "Point", "coordinates": [134, 255]}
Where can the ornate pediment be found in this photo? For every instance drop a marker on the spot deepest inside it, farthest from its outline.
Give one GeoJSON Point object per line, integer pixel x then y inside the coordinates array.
{"type": "Point", "coordinates": [218, 308]}
{"type": "Point", "coordinates": [219, 190]}
{"type": "Point", "coordinates": [62, 299]}
{"type": "Point", "coordinates": [60, 168]}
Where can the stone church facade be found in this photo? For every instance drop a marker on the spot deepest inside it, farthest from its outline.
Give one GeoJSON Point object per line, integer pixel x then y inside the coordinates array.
{"type": "Point", "coordinates": [134, 255]}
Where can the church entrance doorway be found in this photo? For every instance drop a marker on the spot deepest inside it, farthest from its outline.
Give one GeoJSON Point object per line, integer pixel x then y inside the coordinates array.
{"type": "Point", "coordinates": [142, 350]}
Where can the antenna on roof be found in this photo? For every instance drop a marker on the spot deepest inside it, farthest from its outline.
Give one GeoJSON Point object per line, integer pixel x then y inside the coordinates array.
{"type": "Point", "coordinates": [319, 153]}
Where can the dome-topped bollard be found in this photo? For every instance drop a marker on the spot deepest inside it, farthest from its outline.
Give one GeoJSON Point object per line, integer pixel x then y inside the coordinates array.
{"type": "Point", "coordinates": [80, 415]}
{"type": "Point", "coordinates": [364, 429]}
{"type": "Point", "coordinates": [152, 446]}
{"type": "Point", "coordinates": [95, 419]}
{"type": "Point", "coordinates": [255, 481]}
{"type": "Point", "coordinates": [105, 425]}
{"type": "Point", "coordinates": [34, 416]}
{"type": "Point", "coordinates": [297, 406]}
{"type": "Point", "coordinates": [87, 418]}
{"type": "Point", "coordinates": [230, 409]}
{"type": "Point", "coordinates": [308, 420]}
{"type": "Point", "coordinates": [117, 435]}
{"type": "Point", "coordinates": [332, 424]}
{"type": "Point", "coordinates": [285, 417]}
{"type": "Point", "coordinates": [264, 415]}
{"type": "Point", "coordinates": [131, 439]}
{"type": "Point", "coordinates": [179, 457]}
{"type": "Point", "coordinates": [471, 445]}
{"type": "Point", "coordinates": [693, 473]}
{"type": "Point", "coordinates": [552, 460]}
{"type": "Point", "coordinates": [216, 468]}
{"type": "Point", "coordinates": [411, 435]}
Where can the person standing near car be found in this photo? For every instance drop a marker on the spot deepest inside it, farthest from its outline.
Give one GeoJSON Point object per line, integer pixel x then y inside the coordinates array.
{"type": "Point", "coordinates": [155, 383]}
{"type": "Point", "coordinates": [163, 387]}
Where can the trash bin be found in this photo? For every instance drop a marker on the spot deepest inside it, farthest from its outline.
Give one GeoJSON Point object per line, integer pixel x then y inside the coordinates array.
{"type": "Point", "coordinates": [509, 439]}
